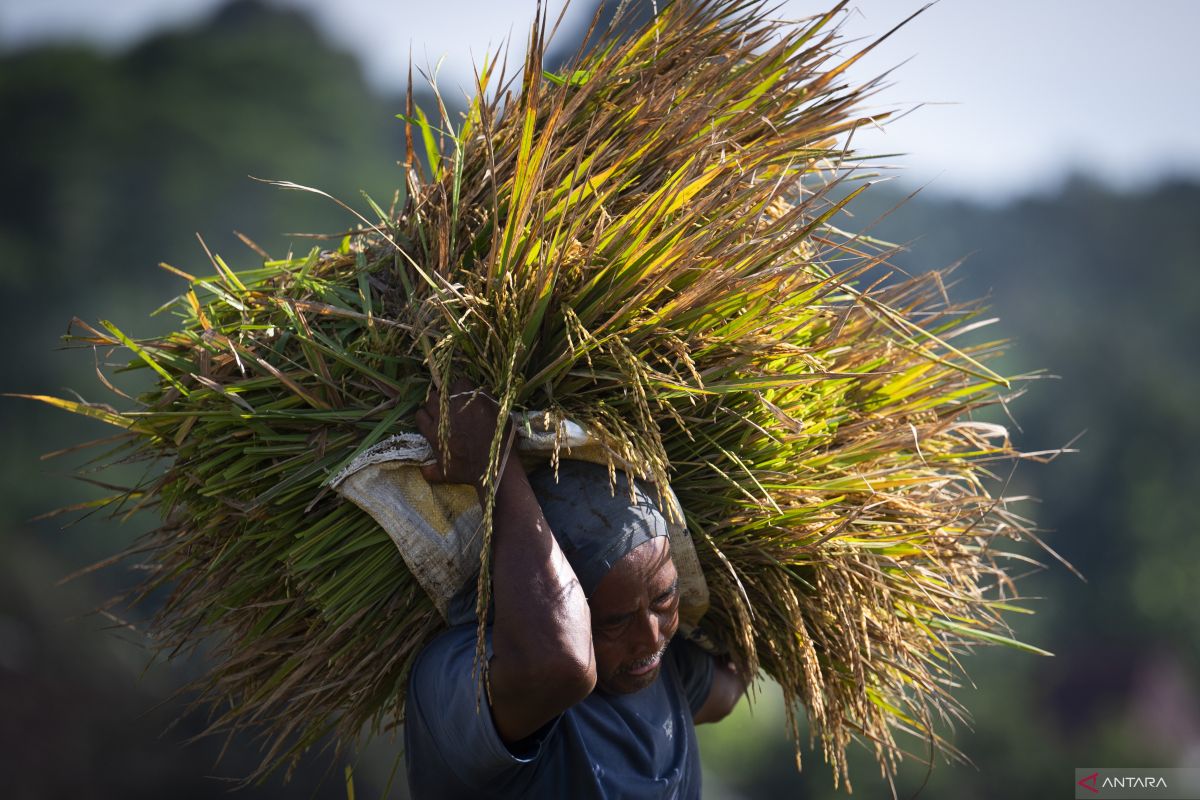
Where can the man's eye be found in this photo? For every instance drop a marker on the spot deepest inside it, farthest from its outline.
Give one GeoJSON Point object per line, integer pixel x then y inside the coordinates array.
{"type": "Point", "coordinates": [666, 597]}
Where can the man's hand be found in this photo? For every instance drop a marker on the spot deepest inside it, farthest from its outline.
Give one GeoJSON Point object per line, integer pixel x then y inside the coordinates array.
{"type": "Point", "coordinates": [473, 419]}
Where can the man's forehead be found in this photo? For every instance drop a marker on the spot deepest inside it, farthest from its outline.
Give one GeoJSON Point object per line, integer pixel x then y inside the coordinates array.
{"type": "Point", "coordinates": [646, 571]}
{"type": "Point", "coordinates": [651, 557]}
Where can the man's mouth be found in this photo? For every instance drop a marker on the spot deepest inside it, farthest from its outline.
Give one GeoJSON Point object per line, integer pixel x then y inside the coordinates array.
{"type": "Point", "coordinates": [645, 665]}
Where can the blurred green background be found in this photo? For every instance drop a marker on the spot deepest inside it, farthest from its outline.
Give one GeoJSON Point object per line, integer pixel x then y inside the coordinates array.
{"type": "Point", "coordinates": [113, 161]}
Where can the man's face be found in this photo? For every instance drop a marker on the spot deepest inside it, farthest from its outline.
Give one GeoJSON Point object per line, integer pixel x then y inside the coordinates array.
{"type": "Point", "coordinates": [635, 611]}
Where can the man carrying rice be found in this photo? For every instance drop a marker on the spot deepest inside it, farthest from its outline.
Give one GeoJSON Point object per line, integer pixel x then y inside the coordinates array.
{"type": "Point", "coordinates": [588, 693]}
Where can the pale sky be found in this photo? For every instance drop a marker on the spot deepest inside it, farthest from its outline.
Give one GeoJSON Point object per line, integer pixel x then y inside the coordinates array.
{"type": "Point", "coordinates": [1017, 92]}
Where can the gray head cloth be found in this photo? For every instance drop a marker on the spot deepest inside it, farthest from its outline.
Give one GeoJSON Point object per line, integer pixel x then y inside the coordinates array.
{"type": "Point", "coordinates": [596, 523]}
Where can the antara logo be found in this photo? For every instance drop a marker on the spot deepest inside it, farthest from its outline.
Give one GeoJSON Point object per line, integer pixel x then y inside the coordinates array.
{"type": "Point", "coordinates": [1119, 782]}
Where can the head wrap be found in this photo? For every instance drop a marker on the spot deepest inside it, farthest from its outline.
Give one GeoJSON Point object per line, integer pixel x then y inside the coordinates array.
{"type": "Point", "coordinates": [596, 522]}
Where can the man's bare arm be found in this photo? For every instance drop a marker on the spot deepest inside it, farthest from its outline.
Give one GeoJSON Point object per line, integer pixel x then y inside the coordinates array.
{"type": "Point", "coordinates": [542, 659]}
{"type": "Point", "coordinates": [727, 689]}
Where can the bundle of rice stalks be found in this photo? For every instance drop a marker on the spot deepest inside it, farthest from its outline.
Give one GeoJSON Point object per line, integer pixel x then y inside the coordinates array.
{"type": "Point", "coordinates": [642, 244]}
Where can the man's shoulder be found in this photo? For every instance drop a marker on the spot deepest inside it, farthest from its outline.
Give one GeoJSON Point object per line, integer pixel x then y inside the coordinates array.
{"type": "Point", "coordinates": [446, 682]}
{"type": "Point", "coordinates": [693, 668]}
{"type": "Point", "coordinates": [450, 655]}
{"type": "Point", "coordinates": [454, 639]}
{"type": "Point", "coordinates": [452, 746]}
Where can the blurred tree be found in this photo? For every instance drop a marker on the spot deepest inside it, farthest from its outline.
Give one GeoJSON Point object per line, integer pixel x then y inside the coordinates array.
{"type": "Point", "coordinates": [111, 164]}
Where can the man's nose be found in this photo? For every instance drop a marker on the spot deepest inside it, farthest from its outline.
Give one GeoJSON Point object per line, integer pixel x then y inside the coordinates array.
{"type": "Point", "coordinates": [648, 631]}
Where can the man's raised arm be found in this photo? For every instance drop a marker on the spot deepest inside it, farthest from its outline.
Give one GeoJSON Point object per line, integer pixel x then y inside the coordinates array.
{"type": "Point", "coordinates": [542, 659]}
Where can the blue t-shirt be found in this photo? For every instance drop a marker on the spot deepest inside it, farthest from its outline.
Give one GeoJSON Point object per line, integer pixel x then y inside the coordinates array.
{"type": "Point", "coordinates": [608, 746]}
